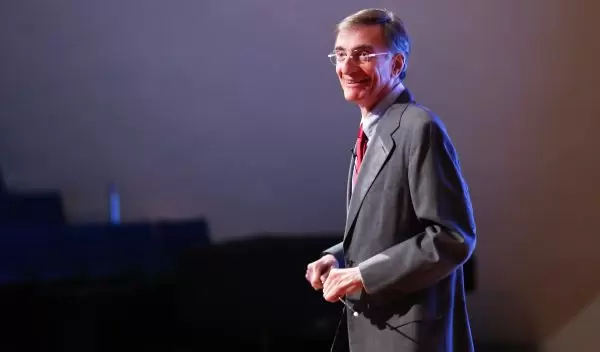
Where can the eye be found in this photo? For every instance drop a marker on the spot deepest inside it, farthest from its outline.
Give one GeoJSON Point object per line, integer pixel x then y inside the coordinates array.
{"type": "Point", "coordinates": [364, 55]}
{"type": "Point", "coordinates": [340, 56]}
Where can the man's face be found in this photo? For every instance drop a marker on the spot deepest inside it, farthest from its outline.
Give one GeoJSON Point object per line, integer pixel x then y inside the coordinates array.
{"type": "Point", "coordinates": [365, 83]}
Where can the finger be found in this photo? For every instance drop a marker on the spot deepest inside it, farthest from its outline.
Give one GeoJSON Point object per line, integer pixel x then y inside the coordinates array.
{"type": "Point", "coordinates": [326, 286]}
{"type": "Point", "coordinates": [335, 286]}
{"type": "Point", "coordinates": [318, 271]}
{"type": "Point", "coordinates": [323, 278]}
{"type": "Point", "coordinates": [325, 275]}
{"type": "Point", "coordinates": [308, 273]}
{"type": "Point", "coordinates": [331, 294]}
{"type": "Point", "coordinates": [327, 281]}
{"type": "Point", "coordinates": [331, 284]}
{"type": "Point", "coordinates": [315, 281]}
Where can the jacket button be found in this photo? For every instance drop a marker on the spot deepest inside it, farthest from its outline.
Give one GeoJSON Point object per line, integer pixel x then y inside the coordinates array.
{"type": "Point", "coordinates": [350, 263]}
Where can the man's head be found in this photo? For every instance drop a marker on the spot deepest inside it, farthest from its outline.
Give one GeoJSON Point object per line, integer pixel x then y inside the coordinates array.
{"type": "Point", "coordinates": [370, 55]}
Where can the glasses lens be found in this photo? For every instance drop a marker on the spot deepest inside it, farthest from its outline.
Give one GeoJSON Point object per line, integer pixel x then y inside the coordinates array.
{"type": "Point", "coordinates": [332, 59]}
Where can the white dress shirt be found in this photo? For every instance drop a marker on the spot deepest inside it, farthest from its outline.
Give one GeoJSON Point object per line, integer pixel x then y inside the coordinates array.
{"type": "Point", "coordinates": [369, 121]}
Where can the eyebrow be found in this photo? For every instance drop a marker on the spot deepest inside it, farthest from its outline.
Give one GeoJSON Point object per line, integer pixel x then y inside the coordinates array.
{"type": "Point", "coordinates": [358, 48]}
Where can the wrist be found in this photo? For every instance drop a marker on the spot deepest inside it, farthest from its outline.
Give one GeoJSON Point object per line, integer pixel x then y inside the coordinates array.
{"type": "Point", "coordinates": [330, 258]}
{"type": "Point", "coordinates": [358, 276]}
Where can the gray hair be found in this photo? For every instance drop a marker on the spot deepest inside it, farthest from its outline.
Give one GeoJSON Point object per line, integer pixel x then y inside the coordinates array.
{"type": "Point", "coordinates": [395, 34]}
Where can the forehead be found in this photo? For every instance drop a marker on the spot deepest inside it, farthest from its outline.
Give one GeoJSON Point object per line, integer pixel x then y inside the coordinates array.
{"type": "Point", "coordinates": [349, 38]}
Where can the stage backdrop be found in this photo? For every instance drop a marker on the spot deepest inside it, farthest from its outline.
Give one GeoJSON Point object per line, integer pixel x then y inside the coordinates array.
{"type": "Point", "coordinates": [231, 110]}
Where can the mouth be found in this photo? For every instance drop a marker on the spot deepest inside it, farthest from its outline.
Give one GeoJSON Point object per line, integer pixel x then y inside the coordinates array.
{"type": "Point", "coordinates": [355, 82]}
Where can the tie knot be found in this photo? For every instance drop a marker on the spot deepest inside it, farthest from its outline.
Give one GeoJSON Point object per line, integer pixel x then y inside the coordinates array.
{"type": "Point", "coordinates": [361, 132]}
{"type": "Point", "coordinates": [362, 136]}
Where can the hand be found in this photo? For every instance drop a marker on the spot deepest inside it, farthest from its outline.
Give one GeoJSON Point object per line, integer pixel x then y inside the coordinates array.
{"type": "Point", "coordinates": [341, 282]}
{"type": "Point", "coordinates": [317, 271]}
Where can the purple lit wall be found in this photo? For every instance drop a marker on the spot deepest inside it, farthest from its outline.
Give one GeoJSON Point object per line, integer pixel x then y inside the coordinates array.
{"type": "Point", "coordinates": [230, 110]}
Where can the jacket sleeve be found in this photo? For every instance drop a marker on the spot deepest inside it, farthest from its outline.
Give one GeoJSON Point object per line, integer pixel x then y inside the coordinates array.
{"type": "Point", "coordinates": [442, 204]}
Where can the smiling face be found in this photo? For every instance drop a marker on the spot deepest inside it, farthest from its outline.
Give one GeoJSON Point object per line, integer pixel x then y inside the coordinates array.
{"type": "Point", "coordinates": [366, 82]}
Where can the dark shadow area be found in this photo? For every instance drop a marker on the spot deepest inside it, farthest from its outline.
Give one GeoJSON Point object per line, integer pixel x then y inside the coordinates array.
{"type": "Point", "coordinates": [166, 293]}
{"type": "Point", "coordinates": [504, 319]}
{"type": "Point", "coordinates": [156, 286]}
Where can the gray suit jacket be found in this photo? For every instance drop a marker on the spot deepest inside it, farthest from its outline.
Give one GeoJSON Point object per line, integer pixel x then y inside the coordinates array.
{"type": "Point", "coordinates": [409, 229]}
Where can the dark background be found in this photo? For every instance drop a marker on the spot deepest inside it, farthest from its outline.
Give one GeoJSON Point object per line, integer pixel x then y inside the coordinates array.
{"type": "Point", "coordinates": [229, 111]}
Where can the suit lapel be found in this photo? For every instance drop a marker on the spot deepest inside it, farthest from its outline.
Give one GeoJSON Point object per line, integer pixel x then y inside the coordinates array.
{"type": "Point", "coordinates": [378, 152]}
{"type": "Point", "coordinates": [375, 157]}
{"type": "Point", "coordinates": [349, 182]}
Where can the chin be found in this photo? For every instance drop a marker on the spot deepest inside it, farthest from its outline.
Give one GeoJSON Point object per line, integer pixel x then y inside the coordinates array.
{"type": "Point", "coordinates": [353, 95]}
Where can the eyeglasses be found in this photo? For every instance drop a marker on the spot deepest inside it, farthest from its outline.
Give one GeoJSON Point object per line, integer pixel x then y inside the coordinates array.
{"type": "Point", "coordinates": [359, 57]}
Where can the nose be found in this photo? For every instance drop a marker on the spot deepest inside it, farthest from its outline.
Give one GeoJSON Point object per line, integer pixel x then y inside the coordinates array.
{"type": "Point", "coordinates": [348, 66]}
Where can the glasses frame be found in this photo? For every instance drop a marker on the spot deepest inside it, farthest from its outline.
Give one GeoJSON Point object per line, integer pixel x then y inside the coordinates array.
{"type": "Point", "coordinates": [357, 57]}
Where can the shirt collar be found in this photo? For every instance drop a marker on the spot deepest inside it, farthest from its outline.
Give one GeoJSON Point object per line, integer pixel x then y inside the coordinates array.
{"type": "Point", "coordinates": [369, 121]}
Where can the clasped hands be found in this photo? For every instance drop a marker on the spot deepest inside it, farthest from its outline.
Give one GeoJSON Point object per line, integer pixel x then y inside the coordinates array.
{"type": "Point", "coordinates": [325, 274]}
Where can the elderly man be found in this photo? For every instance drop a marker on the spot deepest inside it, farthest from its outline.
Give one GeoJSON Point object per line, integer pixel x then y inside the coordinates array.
{"type": "Point", "coordinates": [409, 226]}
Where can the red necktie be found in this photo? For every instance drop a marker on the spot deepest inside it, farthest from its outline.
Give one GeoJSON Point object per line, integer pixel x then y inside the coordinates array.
{"type": "Point", "coordinates": [361, 148]}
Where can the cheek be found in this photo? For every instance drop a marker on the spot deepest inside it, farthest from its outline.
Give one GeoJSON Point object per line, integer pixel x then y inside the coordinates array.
{"type": "Point", "coordinates": [380, 79]}
{"type": "Point", "coordinates": [375, 79]}
{"type": "Point", "coordinates": [374, 74]}
{"type": "Point", "coordinates": [378, 74]}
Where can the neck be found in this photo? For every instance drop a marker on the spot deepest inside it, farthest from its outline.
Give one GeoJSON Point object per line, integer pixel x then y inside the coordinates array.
{"type": "Point", "coordinates": [366, 109]}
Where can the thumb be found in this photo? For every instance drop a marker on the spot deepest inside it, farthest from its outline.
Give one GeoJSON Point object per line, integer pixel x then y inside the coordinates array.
{"type": "Point", "coordinates": [324, 277]}
{"type": "Point", "coordinates": [314, 279]}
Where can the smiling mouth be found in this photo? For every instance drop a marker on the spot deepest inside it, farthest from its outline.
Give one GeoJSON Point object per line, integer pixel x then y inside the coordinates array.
{"type": "Point", "coordinates": [356, 82]}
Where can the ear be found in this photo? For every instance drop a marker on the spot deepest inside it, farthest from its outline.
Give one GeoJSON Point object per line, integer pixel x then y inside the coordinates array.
{"type": "Point", "coordinates": [398, 64]}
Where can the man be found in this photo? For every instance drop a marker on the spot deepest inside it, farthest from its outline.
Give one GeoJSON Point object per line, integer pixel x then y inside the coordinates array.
{"type": "Point", "coordinates": [409, 226]}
